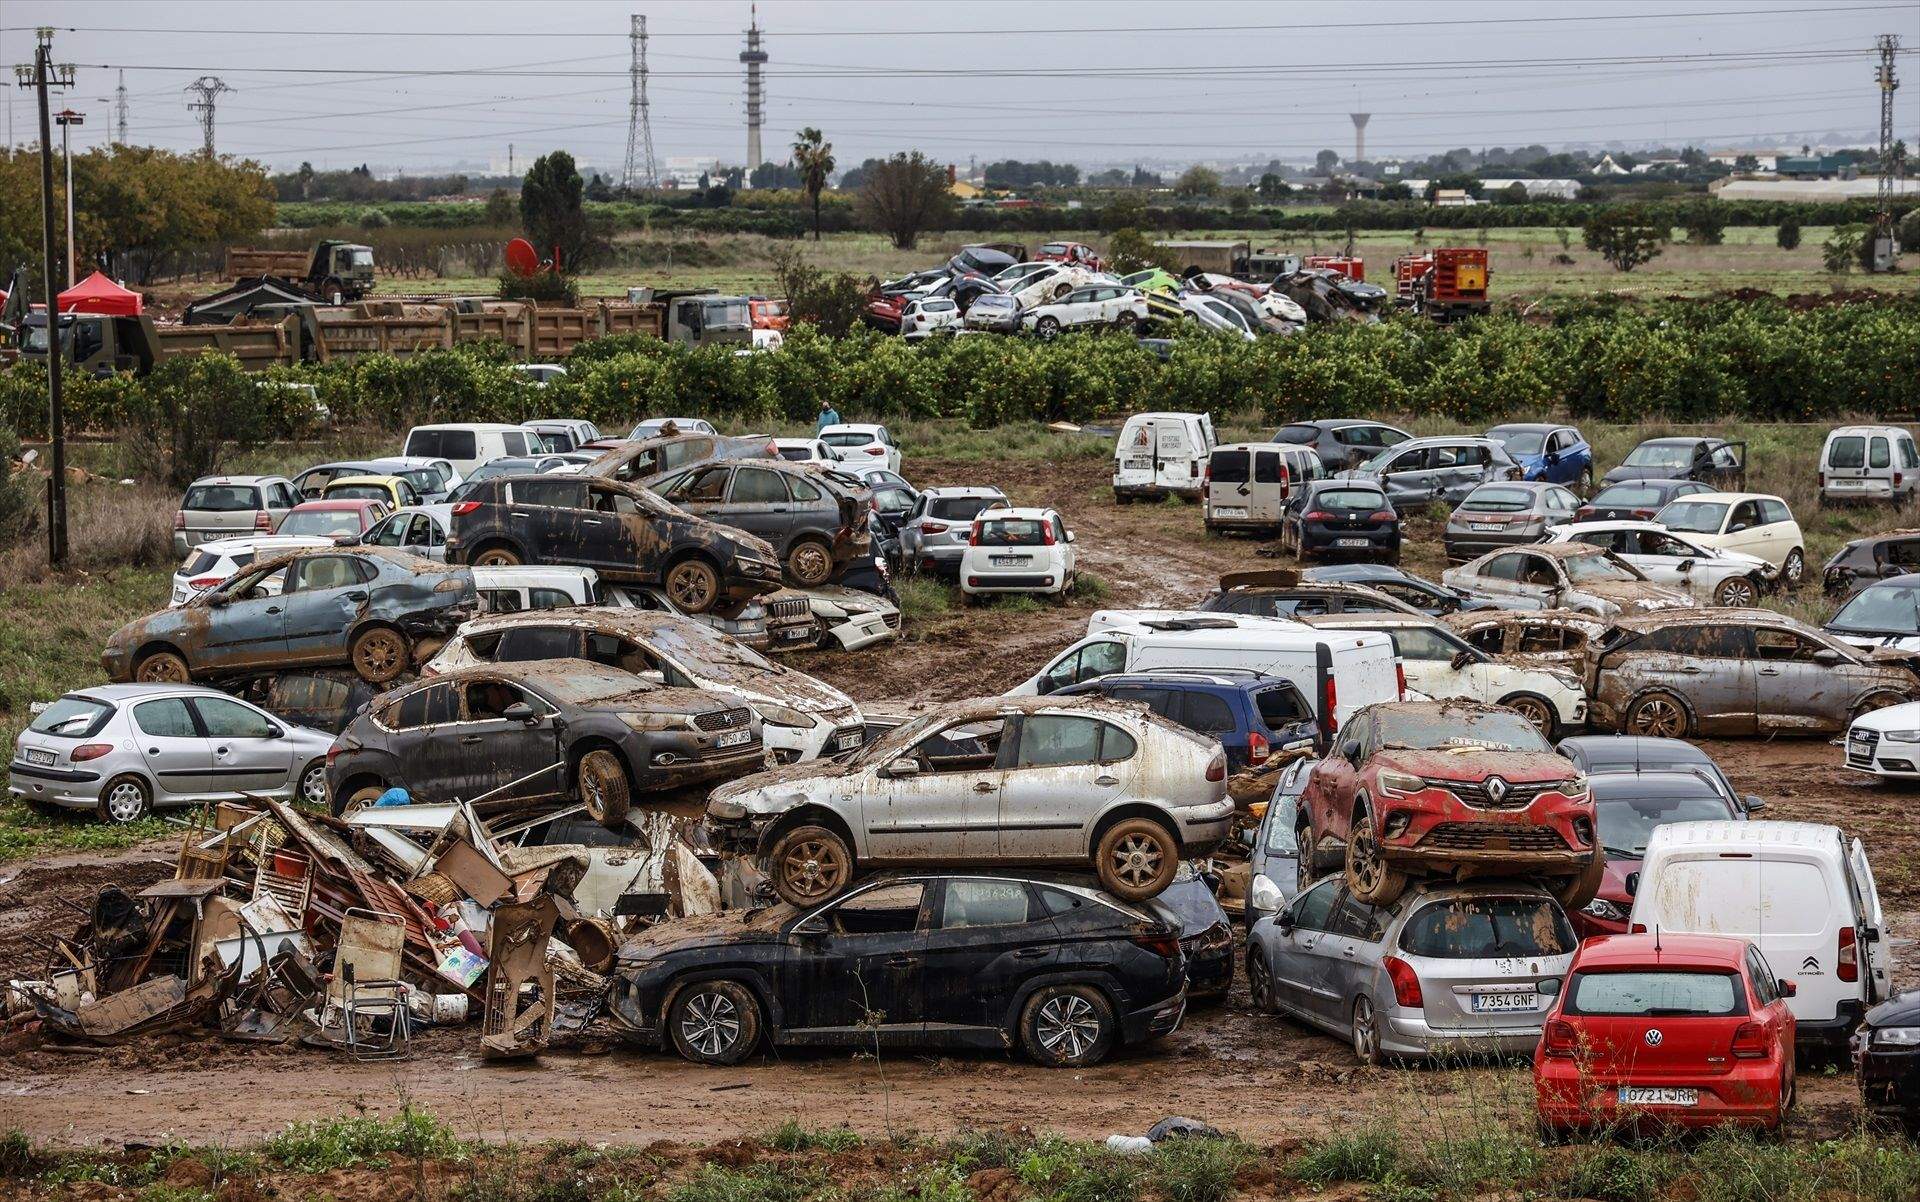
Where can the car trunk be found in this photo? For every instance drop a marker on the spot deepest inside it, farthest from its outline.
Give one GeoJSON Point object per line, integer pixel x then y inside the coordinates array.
{"type": "Point", "coordinates": [1481, 959]}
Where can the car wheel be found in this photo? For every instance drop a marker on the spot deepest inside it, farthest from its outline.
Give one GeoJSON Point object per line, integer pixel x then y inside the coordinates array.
{"type": "Point", "coordinates": [1136, 859]}
{"type": "Point", "coordinates": [312, 792]}
{"type": "Point", "coordinates": [1656, 715]}
{"type": "Point", "coordinates": [714, 1022]}
{"type": "Point", "coordinates": [1536, 710]}
{"type": "Point", "coordinates": [379, 654]}
{"type": "Point", "coordinates": [1736, 592]}
{"type": "Point", "coordinates": [125, 799]}
{"type": "Point", "coordinates": [1369, 877]}
{"type": "Point", "coordinates": [1047, 327]}
{"type": "Point", "coordinates": [810, 563]}
{"type": "Point", "coordinates": [1794, 568]}
{"type": "Point", "coordinates": [362, 799]}
{"type": "Point", "coordinates": [1575, 891]}
{"type": "Point", "coordinates": [1260, 982]}
{"type": "Point", "coordinates": [499, 555]}
{"type": "Point", "coordinates": [1366, 1032]}
{"type": "Point", "coordinates": [694, 585]}
{"type": "Point", "coordinates": [1068, 1026]}
{"type": "Point", "coordinates": [604, 787]}
{"type": "Point", "coordinates": [810, 864]}
{"type": "Point", "coordinates": [162, 667]}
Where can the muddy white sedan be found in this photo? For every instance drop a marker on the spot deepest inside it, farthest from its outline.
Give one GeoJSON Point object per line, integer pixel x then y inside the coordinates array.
{"type": "Point", "coordinates": [1575, 576]}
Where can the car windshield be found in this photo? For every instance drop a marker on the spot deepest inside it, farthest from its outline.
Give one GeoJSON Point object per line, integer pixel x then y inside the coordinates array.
{"type": "Point", "coordinates": [1656, 994]}
{"type": "Point", "coordinates": [71, 717]}
{"type": "Point", "coordinates": [1522, 442]}
{"type": "Point", "coordinates": [1486, 928]}
{"type": "Point", "coordinates": [323, 522]}
{"type": "Point", "coordinates": [1626, 823]}
{"type": "Point", "coordinates": [423, 479]}
{"type": "Point", "coordinates": [1350, 498]}
{"type": "Point", "coordinates": [1016, 532]}
{"type": "Point", "coordinates": [888, 746]}
{"type": "Point", "coordinates": [1499, 499]}
{"type": "Point", "coordinates": [1586, 569]}
{"type": "Point", "coordinates": [1881, 609]}
{"type": "Point", "coordinates": [220, 498]}
{"type": "Point", "coordinates": [1697, 517]}
{"type": "Point", "coordinates": [1661, 454]}
{"type": "Point", "coordinates": [1449, 728]}
{"type": "Point", "coordinates": [357, 492]}
{"type": "Point", "coordinates": [1632, 496]}
{"type": "Point", "coordinates": [1379, 462]}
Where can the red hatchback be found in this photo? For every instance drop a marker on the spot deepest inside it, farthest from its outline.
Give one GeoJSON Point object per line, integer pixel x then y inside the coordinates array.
{"type": "Point", "coordinates": [1676, 1030]}
{"type": "Point", "coordinates": [1449, 788]}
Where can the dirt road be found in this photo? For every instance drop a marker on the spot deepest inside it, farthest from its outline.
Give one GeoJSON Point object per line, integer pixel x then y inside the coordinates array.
{"type": "Point", "coordinates": [1260, 1076]}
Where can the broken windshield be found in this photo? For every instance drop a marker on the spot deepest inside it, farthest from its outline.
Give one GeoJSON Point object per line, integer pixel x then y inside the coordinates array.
{"type": "Point", "coordinates": [1882, 609]}
{"type": "Point", "coordinates": [1585, 569]}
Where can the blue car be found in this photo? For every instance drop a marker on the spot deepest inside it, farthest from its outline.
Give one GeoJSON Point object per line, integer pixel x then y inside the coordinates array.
{"type": "Point", "coordinates": [1252, 714]}
{"type": "Point", "coordinates": [1557, 454]}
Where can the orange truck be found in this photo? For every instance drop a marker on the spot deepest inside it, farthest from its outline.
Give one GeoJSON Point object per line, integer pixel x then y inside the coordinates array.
{"type": "Point", "coordinates": [1446, 283]}
{"type": "Point", "coordinates": [1352, 267]}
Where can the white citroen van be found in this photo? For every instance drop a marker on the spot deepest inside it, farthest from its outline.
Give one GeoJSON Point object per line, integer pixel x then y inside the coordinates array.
{"type": "Point", "coordinates": [1869, 463]}
{"type": "Point", "coordinates": [1160, 454]}
{"type": "Point", "coordinates": [1799, 891]}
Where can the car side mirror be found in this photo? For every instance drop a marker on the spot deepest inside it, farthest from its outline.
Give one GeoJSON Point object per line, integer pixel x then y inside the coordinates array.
{"type": "Point", "coordinates": [1072, 537]}
{"type": "Point", "coordinates": [1684, 566]}
{"type": "Point", "coordinates": [1350, 751]}
{"type": "Point", "coordinates": [1284, 922]}
{"type": "Point", "coordinates": [1755, 803]}
{"type": "Point", "coordinates": [1787, 988]}
{"type": "Point", "coordinates": [1461, 659]}
{"type": "Point", "coordinates": [520, 711]}
{"type": "Point", "coordinates": [904, 766]}
{"type": "Point", "coordinates": [1632, 884]}
{"type": "Point", "coordinates": [1826, 656]}
{"type": "Point", "coordinates": [1553, 456]}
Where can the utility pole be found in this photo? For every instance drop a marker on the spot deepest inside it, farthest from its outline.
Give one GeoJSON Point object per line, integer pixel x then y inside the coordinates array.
{"type": "Point", "coordinates": [208, 88]}
{"type": "Point", "coordinates": [120, 111]}
{"type": "Point", "coordinates": [640, 167]}
{"type": "Point", "coordinates": [754, 58]}
{"type": "Point", "coordinates": [66, 119]}
{"type": "Point", "coordinates": [1889, 45]}
{"type": "Point", "coordinates": [41, 76]}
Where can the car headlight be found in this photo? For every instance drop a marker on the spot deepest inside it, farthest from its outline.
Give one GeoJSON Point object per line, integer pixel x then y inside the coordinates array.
{"type": "Point", "coordinates": [726, 811]}
{"type": "Point", "coordinates": [1600, 907]}
{"type": "Point", "coordinates": [1265, 895]}
{"type": "Point", "coordinates": [780, 715]}
{"type": "Point", "coordinates": [1576, 789]}
{"type": "Point", "coordinates": [1896, 1037]}
{"type": "Point", "coordinates": [1900, 736]}
{"type": "Point", "coordinates": [1401, 782]}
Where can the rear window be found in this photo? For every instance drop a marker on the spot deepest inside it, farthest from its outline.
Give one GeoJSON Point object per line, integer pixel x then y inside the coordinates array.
{"type": "Point", "coordinates": [1014, 532]}
{"type": "Point", "coordinates": [442, 444]}
{"type": "Point", "coordinates": [1499, 500]}
{"type": "Point", "coordinates": [1639, 496]}
{"type": "Point", "coordinates": [1848, 451]}
{"type": "Point", "coordinates": [1298, 435]}
{"type": "Point", "coordinates": [1281, 706]}
{"type": "Point", "coordinates": [847, 438]}
{"type": "Point", "coordinates": [1486, 928]}
{"type": "Point", "coordinates": [959, 509]}
{"type": "Point", "coordinates": [322, 522]}
{"type": "Point", "coordinates": [1350, 498]}
{"type": "Point", "coordinates": [1741, 896]}
{"type": "Point", "coordinates": [71, 718]}
{"type": "Point", "coordinates": [203, 562]}
{"type": "Point", "coordinates": [222, 498]}
{"type": "Point", "coordinates": [1655, 994]}
{"type": "Point", "coordinates": [1230, 467]}
{"type": "Point", "coordinates": [357, 492]}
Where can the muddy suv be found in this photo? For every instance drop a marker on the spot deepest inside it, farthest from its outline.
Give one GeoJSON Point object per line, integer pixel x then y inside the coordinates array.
{"type": "Point", "coordinates": [646, 460]}
{"type": "Point", "coordinates": [815, 520]}
{"type": "Point", "coordinates": [1448, 789]}
{"type": "Point", "coordinates": [627, 534]}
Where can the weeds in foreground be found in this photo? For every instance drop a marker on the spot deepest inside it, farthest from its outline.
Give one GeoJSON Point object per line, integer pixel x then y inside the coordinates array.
{"type": "Point", "coordinates": [1198, 1170]}
{"type": "Point", "coordinates": [921, 598]}
{"type": "Point", "coordinates": [791, 1136]}
{"type": "Point", "coordinates": [939, 1183]}
{"type": "Point", "coordinates": [323, 1145]}
{"type": "Point", "coordinates": [1059, 1170]}
{"type": "Point", "coordinates": [1091, 588]}
{"type": "Point", "coordinates": [759, 1183]}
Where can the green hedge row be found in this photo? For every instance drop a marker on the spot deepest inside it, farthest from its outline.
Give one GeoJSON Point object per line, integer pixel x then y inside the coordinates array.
{"type": "Point", "coordinates": [1675, 360]}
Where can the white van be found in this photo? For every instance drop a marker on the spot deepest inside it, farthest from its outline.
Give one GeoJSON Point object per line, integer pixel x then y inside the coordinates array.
{"type": "Point", "coordinates": [467, 445]}
{"type": "Point", "coordinates": [1799, 891]}
{"type": "Point", "coordinates": [1161, 453]}
{"type": "Point", "coordinates": [1247, 484]}
{"type": "Point", "coordinates": [521, 587]}
{"type": "Point", "coordinates": [1868, 463]}
{"type": "Point", "coordinates": [1338, 672]}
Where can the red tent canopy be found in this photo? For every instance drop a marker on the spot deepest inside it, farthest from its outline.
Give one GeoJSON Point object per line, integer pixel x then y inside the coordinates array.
{"type": "Point", "coordinates": [98, 294]}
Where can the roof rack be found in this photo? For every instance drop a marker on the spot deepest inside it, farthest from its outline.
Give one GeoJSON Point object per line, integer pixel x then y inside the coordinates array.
{"type": "Point", "coordinates": [1191, 624]}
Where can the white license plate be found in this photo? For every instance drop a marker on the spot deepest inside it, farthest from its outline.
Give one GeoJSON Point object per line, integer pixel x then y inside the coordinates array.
{"type": "Point", "coordinates": [37, 756]}
{"type": "Point", "coordinates": [1139, 464]}
{"type": "Point", "coordinates": [734, 738]}
{"type": "Point", "coordinates": [1349, 542]}
{"type": "Point", "coordinates": [1501, 1003]}
{"type": "Point", "coordinates": [847, 739]}
{"type": "Point", "coordinates": [1227, 512]}
{"type": "Point", "coordinates": [1009, 561]}
{"type": "Point", "coordinates": [795, 633]}
{"type": "Point", "coordinates": [1484, 526]}
{"type": "Point", "coordinates": [1642, 1095]}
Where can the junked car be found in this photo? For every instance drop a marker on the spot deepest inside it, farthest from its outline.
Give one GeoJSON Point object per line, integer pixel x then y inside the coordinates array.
{"type": "Point", "coordinates": [1341, 517]}
{"type": "Point", "coordinates": [1869, 463]}
{"type": "Point", "coordinates": [1697, 672]}
{"type": "Point", "coordinates": [1634, 500]}
{"type": "Point", "coordinates": [418, 530]}
{"type": "Point", "coordinates": [993, 311]}
{"type": "Point", "coordinates": [926, 316]}
{"type": "Point", "coordinates": [997, 780]}
{"type": "Point", "coordinates": [1027, 551]}
{"type": "Point", "coordinates": [1713, 575]}
{"type": "Point", "coordinates": [1445, 468]}
{"type": "Point", "coordinates": [1545, 451]}
{"type": "Point", "coordinates": [1417, 592]}
{"type": "Point", "coordinates": [1095, 305]}
{"type": "Point", "coordinates": [1444, 970]}
{"type": "Point", "coordinates": [1547, 636]}
{"type": "Point", "coordinates": [1342, 442]}
{"type": "Point", "coordinates": [1442, 788]}
{"type": "Point", "coordinates": [803, 718]}
{"type": "Point", "coordinates": [647, 459]}
{"type": "Point", "coordinates": [1755, 524]}
{"type": "Point", "coordinates": [1713, 461]}
{"type": "Point", "coordinates": [342, 521]}
{"type": "Point", "coordinates": [863, 443]}
{"type": "Point", "coordinates": [1864, 560]}
{"type": "Point", "coordinates": [1573, 576]}
{"type": "Point", "coordinates": [217, 507]}
{"type": "Point", "coordinates": [1288, 593]}
{"type": "Point", "coordinates": [815, 521]}
{"type": "Point", "coordinates": [369, 607]}
{"type": "Point", "coordinates": [1206, 933]}
{"type": "Point", "coordinates": [1628, 806]}
{"type": "Point", "coordinates": [851, 618]}
{"type": "Point", "coordinates": [1273, 852]}
{"type": "Point", "coordinates": [951, 959]}
{"type": "Point", "coordinates": [394, 491]}
{"type": "Point", "coordinates": [1508, 513]}
{"type": "Point", "coordinates": [1253, 715]}
{"type": "Point", "coordinates": [1884, 614]}
{"type": "Point", "coordinates": [485, 734]}
{"type": "Point", "coordinates": [212, 562]}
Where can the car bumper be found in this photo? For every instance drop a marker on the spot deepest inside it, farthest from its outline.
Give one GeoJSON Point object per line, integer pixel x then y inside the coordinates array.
{"type": "Point", "coordinates": [1830, 1033]}
{"type": "Point", "coordinates": [1566, 1096]}
{"type": "Point", "coordinates": [1319, 538]}
{"type": "Point", "coordinates": [1471, 544]}
{"type": "Point", "coordinates": [1188, 489]}
{"type": "Point", "coordinates": [72, 788]}
{"type": "Point", "coordinates": [1152, 1022]}
{"type": "Point", "coordinates": [1858, 490]}
{"type": "Point", "coordinates": [786, 744]}
{"type": "Point", "coordinates": [1889, 1078]}
{"type": "Point", "coordinates": [1011, 582]}
{"type": "Point", "coordinates": [1203, 827]}
{"type": "Point", "coordinates": [852, 634]}
{"type": "Point", "coordinates": [1412, 1035]}
{"type": "Point", "coordinates": [1878, 755]}
{"type": "Point", "coordinates": [1209, 971]}
{"type": "Point", "coordinates": [940, 560]}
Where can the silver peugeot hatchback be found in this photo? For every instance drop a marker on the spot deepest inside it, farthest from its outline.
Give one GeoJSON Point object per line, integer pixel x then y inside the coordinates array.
{"type": "Point", "coordinates": [124, 750]}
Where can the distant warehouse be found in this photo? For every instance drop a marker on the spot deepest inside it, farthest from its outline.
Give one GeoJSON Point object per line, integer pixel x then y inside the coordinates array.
{"type": "Point", "coordinates": [1866, 187]}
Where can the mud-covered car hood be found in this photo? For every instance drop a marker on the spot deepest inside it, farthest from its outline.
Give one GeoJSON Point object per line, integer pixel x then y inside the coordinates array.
{"type": "Point", "coordinates": [1477, 763]}
{"type": "Point", "coordinates": [850, 601]}
{"type": "Point", "coordinates": [775, 790]}
{"type": "Point", "coordinates": [730, 927]}
{"type": "Point", "coordinates": [1636, 596]}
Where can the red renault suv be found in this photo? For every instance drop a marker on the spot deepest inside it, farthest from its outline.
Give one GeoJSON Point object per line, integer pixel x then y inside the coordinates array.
{"type": "Point", "coordinates": [1674, 1030]}
{"type": "Point", "coordinates": [1449, 788]}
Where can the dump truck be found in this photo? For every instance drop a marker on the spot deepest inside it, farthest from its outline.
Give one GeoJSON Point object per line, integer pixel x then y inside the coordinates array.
{"type": "Point", "coordinates": [1446, 283]}
{"type": "Point", "coordinates": [334, 271]}
{"type": "Point", "coordinates": [700, 317]}
{"type": "Point", "coordinates": [100, 345]}
{"type": "Point", "coordinates": [1225, 258]}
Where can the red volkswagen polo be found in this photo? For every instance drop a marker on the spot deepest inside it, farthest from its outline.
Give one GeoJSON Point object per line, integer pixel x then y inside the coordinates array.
{"type": "Point", "coordinates": [1681, 1030]}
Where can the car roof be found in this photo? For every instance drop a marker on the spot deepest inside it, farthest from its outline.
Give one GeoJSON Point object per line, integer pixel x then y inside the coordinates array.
{"type": "Point", "coordinates": [116, 693]}
{"type": "Point", "coordinates": [478, 427]}
{"type": "Point", "coordinates": [1602, 525]}
{"type": "Point", "coordinates": [1907, 580]}
{"type": "Point", "coordinates": [337, 503]}
{"type": "Point", "coordinates": [1624, 951]}
{"type": "Point", "coordinates": [1371, 621]}
{"type": "Point", "coordinates": [270, 542]}
{"type": "Point", "coordinates": [1658, 782]}
{"type": "Point", "coordinates": [1532, 486]}
{"type": "Point", "coordinates": [234, 480]}
{"type": "Point", "coordinates": [1676, 440]}
{"type": "Point", "coordinates": [1265, 445]}
{"type": "Point", "coordinates": [1023, 513]}
{"type": "Point", "coordinates": [1233, 678]}
{"type": "Point", "coordinates": [962, 490]}
{"type": "Point", "coordinates": [853, 427]}
{"type": "Point", "coordinates": [339, 480]}
{"type": "Point", "coordinates": [1328, 483]}
{"type": "Point", "coordinates": [1361, 573]}
{"type": "Point", "coordinates": [1650, 482]}
{"type": "Point", "coordinates": [1673, 749]}
{"type": "Point", "coordinates": [1536, 427]}
{"type": "Point", "coordinates": [1730, 497]}
{"type": "Point", "coordinates": [1814, 836]}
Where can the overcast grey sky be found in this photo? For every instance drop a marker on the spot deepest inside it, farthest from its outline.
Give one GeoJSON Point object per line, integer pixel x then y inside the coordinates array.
{"type": "Point", "coordinates": [430, 84]}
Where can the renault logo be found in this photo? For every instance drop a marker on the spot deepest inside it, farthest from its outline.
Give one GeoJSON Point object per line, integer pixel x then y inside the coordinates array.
{"type": "Point", "coordinates": [1496, 789]}
{"type": "Point", "coordinates": [1654, 1037]}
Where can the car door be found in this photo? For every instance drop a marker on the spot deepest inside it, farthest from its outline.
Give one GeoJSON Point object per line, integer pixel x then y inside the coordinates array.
{"type": "Point", "coordinates": [246, 619]}
{"type": "Point", "coordinates": [702, 491]}
{"type": "Point", "coordinates": [323, 598]}
{"type": "Point", "coordinates": [1347, 956]}
{"type": "Point", "coordinates": [1793, 691]}
{"type": "Point", "coordinates": [985, 938]}
{"type": "Point", "coordinates": [1064, 771]}
{"type": "Point", "coordinates": [1877, 941]}
{"type": "Point", "coordinates": [1090, 661]}
{"type": "Point", "coordinates": [1427, 659]}
{"type": "Point", "coordinates": [1539, 583]}
{"type": "Point", "coordinates": [1409, 477]}
{"type": "Point", "coordinates": [250, 751]}
{"type": "Point", "coordinates": [947, 805]}
{"type": "Point", "coordinates": [1455, 470]}
{"type": "Point", "coordinates": [1710, 667]}
{"type": "Point", "coordinates": [428, 755]}
{"type": "Point", "coordinates": [176, 753]}
{"type": "Point", "coordinates": [551, 518]}
{"type": "Point", "coordinates": [1173, 454]}
{"type": "Point", "coordinates": [1745, 531]}
{"type": "Point", "coordinates": [1299, 979]}
{"type": "Point", "coordinates": [758, 502]}
{"type": "Point", "coordinates": [495, 751]}
{"type": "Point", "coordinates": [855, 969]}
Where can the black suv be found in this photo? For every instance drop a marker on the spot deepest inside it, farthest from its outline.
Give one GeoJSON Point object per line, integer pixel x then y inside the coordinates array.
{"type": "Point", "coordinates": [625, 533]}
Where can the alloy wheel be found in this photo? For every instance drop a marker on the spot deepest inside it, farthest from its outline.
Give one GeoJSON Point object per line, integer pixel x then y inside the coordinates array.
{"type": "Point", "coordinates": [1136, 860]}
{"type": "Point", "coordinates": [814, 867]}
{"type": "Point", "coordinates": [1067, 1026]}
{"type": "Point", "coordinates": [711, 1024]}
{"type": "Point", "coordinates": [1368, 866]}
{"type": "Point", "coordinates": [1366, 1038]}
{"type": "Point", "coordinates": [1738, 593]}
{"type": "Point", "coordinates": [1659, 717]}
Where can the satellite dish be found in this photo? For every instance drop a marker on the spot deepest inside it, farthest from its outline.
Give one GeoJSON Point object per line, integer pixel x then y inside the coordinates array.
{"type": "Point", "coordinates": [522, 259]}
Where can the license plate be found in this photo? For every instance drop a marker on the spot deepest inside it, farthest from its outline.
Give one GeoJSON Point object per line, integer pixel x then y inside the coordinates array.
{"type": "Point", "coordinates": [797, 632]}
{"type": "Point", "coordinates": [36, 756]}
{"type": "Point", "coordinates": [1641, 1095]}
{"type": "Point", "coordinates": [734, 738]}
{"type": "Point", "coordinates": [1227, 512]}
{"type": "Point", "coordinates": [1349, 542]}
{"type": "Point", "coordinates": [1139, 464]}
{"type": "Point", "coordinates": [1483, 525]}
{"type": "Point", "coordinates": [1497, 1003]}
{"type": "Point", "coordinates": [848, 739]}
{"type": "Point", "coordinates": [1009, 561]}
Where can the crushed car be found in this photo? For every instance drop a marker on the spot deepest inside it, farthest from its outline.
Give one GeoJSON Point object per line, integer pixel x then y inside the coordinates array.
{"type": "Point", "coordinates": [815, 519]}
{"type": "Point", "coordinates": [1574, 576]}
{"type": "Point", "coordinates": [1714, 575]}
{"type": "Point", "coordinates": [1547, 636]}
{"type": "Point", "coordinates": [648, 459]}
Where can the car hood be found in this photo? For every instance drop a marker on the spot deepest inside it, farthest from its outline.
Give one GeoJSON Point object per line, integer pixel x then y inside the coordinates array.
{"type": "Point", "coordinates": [1905, 716]}
{"type": "Point", "coordinates": [1900, 1010]}
{"type": "Point", "coordinates": [1475, 764]}
{"type": "Point", "coordinates": [169, 624]}
{"type": "Point", "coordinates": [728, 927]}
{"type": "Point", "coordinates": [776, 789]}
{"type": "Point", "coordinates": [1623, 472]}
{"type": "Point", "coordinates": [850, 602]}
{"type": "Point", "coordinates": [1636, 596]}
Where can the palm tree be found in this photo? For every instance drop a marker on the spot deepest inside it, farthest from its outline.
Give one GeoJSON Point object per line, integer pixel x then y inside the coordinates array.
{"type": "Point", "coordinates": [814, 157]}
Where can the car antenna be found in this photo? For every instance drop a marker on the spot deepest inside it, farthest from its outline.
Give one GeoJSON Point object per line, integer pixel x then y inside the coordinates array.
{"type": "Point", "coordinates": [1656, 938]}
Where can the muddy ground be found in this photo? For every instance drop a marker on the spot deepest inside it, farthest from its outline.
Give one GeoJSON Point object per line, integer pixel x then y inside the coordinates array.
{"type": "Point", "coordinates": [1262, 1077]}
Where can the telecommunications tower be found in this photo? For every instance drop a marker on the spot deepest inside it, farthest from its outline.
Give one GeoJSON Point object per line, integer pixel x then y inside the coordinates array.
{"type": "Point", "coordinates": [754, 58]}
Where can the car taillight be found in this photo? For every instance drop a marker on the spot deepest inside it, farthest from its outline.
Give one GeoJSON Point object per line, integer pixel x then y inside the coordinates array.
{"type": "Point", "coordinates": [1645, 515]}
{"type": "Point", "coordinates": [1559, 1039]}
{"type": "Point", "coordinates": [180, 519]}
{"type": "Point", "coordinates": [90, 751]}
{"type": "Point", "coordinates": [1583, 513]}
{"type": "Point", "coordinates": [1400, 678]}
{"type": "Point", "coordinates": [1257, 746]}
{"type": "Point", "coordinates": [1046, 534]}
{"type": "Point", "coordinates": [1750, 1042]}
{"type": "Point", "coordinates": [263, 521]}
{"type": "Point", "coordinates": [1638, 928]}
{"type": "Point", "coordinates": [204, 581]}
{"type": "Point", "coordinates": [1328, 722]}
{"type": "Point", "coordinates": [934, 527]}
{"type": "Point", "coordinates": [1217, 767]}
{"type": "Point", "coordinates": [1896, 480]}
{"type": "Point", "coordinates": [1406, 982]}
{"type": "Point", "coordinates": [973, 535]}
{"type": "Point", "coordinates": [1380, 515]}
{"type": "Point", "coordinates": [876, 450]}
{"type": "Point", "coordinates": [464, 508]}
{"type": "Point", "coordinates": [1846, 962]}
{"type": "Point", "coordinates": [1318, 515]}
{"type": "Point", "coordinates": [1166, 945]}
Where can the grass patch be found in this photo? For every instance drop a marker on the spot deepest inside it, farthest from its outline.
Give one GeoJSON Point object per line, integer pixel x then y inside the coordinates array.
{"type": "Point", "coordinates": [1370, 1154]}
{"type": "Point", "coordinates": [792, 1136]}
{"type": "Point", "coordinates": [1059, 1170]}
{"type": "Point", "coordinates": [923, 597]}
{"type": "Point", "coordinates": [24, 833]}
{"type": "Point", "coordinates": [1015, 603]}
{"type": "Point", "coordinates": [939, 1183]}
{"type": "Point", "coordinates": [323, 1145]}
{"type": "Point", "coordinates": [760, 1183]}
{"type": "Point", "coordinates": [1198, 1170]}
{"type": "Point", "coordinates": [1091, 588]}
